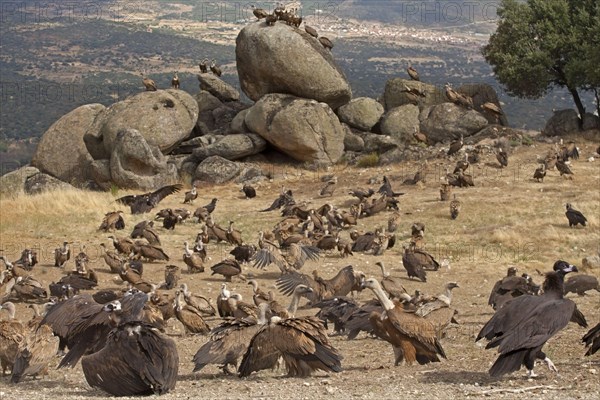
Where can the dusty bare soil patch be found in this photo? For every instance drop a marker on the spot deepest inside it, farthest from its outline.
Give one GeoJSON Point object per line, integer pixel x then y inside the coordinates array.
{"type": "Point", "coordinates": [506, 219]}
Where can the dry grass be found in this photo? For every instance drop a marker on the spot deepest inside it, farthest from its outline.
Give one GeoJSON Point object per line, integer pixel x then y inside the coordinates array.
{"type": "Point", "coordinates": [506, 219]}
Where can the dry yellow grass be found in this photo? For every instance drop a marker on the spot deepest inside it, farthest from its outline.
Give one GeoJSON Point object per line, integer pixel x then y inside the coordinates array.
{"type": "Point", "coordinates": [506, 219]}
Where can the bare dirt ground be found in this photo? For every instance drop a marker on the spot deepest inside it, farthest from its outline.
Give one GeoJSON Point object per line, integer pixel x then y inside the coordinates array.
{"type": "Point", "coordinates": [506, 219]}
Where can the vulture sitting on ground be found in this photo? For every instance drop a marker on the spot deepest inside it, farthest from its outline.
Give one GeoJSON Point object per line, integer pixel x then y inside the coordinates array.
{"type": "Point", "coordinates": [509, 287]}
{"type": "Point", "coordinates": [523, 325]}
{"type": "Point", "coordinates": [137, 360]}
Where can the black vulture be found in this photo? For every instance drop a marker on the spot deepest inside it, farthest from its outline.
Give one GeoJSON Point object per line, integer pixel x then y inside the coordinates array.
{"type": "Point", "coordinates": [592, 338]}
{"type": "Point", "coordinates": [575, 217]}
{"type": "Point", "coordinates": [137, 360]}
{"type": "Point", "coordinates": [144, 203]}
{"type": "Point", "coordinates": [581, 283]}
{"type": "Point", "coordinates": [523, 325]}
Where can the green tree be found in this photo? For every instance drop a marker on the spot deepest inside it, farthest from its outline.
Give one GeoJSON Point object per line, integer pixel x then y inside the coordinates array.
{"type": "Point", "coordinates": [540, 44]}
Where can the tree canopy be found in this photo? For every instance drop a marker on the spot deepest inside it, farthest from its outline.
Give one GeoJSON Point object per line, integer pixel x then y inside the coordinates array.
{"type": "Point", "coordinates": [540, 44]}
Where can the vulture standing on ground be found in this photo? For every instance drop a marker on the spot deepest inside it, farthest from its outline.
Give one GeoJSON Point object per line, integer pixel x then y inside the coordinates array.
{"type": "Point", "coordinates": [229, 341]}
{"type": "Point", "coordinates": [509, 287]}
{"type": "Point", "coordinates": [575, 217]}
{"type": "Point", "coordinates": [540, 173]}
{"type": "Point", "coordinates": [13, 335]}
{"type": "Point", "coordinates": [522, 326]}
{"type": "Point", "coordinates": [189, 316]}
{"type": "Point", "coordinates": [112, 220]}
{"type": "Point", "coordinates": [136, 360]}
{"type": "Point", "coordinates": [62, 255]}
{"type": "Point", "coordinates": [33, 357]}
{"type": "Point", "coordinates": [392, 286]}
{"type": "Point", "coordinates": [143, 203]}
{"type": "Point", "coordinates": [581, 283]}
{"type": "Point", "coordinates": [454, 208]}
{"type": "Point", "coordinates": [502, 157]}
{"type": "Point", "coordinates": [455, 146]}
{"type": "Point", "coordinates": [592, 338]}
{"type": "Point", "coordinates": [228, 268]}
{"type": "Point", "coordinates": [249, 191]}
{"type": "Point", "coordinates": [413, 338]}
{"type": "Point", "coordinates": [301, 342]}
{"type": "Point", "coordinates": [191, 195]}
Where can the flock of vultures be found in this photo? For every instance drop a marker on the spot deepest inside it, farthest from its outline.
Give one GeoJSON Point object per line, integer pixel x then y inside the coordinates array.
{"type": "Point", "coordinates": [120, 339]}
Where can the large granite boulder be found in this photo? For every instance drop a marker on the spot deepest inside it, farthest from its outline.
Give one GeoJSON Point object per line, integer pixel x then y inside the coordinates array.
{"type": "Point", "coordinates": [12, 183]}
{"type": "Point", "coordinates": [135, 164]}
{"type": "Point", "coordinates": [401, 122]}
{"type": "Point", "coordinates": [306, 130]}
{"type": "Point", "coordinates": [447, 121]}
{"type": "Point", "coordinates": [217, 169]}
{"type": "Point", "coordinates": [361, 113]}
{"type": "Point", "coordinates": [40, 183]}
{"type": "Point", "coordinates": [395, 94]}
{"type": "Point", "coordinates": [218, 88]}
{"type": "Point", "coordinates": [164, 118]}
{"type": "Point", "coordinates": [284, 59]}
{"type": "Point", "coordinates": [62, 152]}
{"type": "Point", "coordinates": [231, 147]}
{"type": "Point", "coordinates": [562, 122]}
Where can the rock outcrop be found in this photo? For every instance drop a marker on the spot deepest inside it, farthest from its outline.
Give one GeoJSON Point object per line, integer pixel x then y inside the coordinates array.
{"type": "Point", "coordinates": [231, 147]}
{"type": "Point", "coordinates": [62, 152]}
{"type": "Point", "coordinates": [135, 164]}
{"type": "Point", "coordinates": [447, 121]}
{"type": "Point", "coordinates": [361, 113]}
{"type": "Point", "coordinates": [218, 88]}
{"type": "Point", "coordinates": [401, 122]}
{"type": "Point", "coordinates": [284, 59]}
{"type": "Point", "coordinates": [305, 130]}
{"type": "Point", "coordinates": [562, 123]}
{"type": "Point", "coordinates": [395, 94]}
{"type": "Point", "coordinates": [164, 118]}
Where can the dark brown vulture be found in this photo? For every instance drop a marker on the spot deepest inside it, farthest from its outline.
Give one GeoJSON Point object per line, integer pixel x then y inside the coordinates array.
{"type": "Point", "coordinates": [34, 355]}
{"type": "Point", "coordinates": [575, 217]}
{"type": "Point", "coordinates": [214, 68]}
{"type": "Point", "coordinates": [229, 341]}
{"type": "Point", "coordinates": [455, 146]}
{"type": "Point", "coordinates": [243, 253]}
{"type": "Point", "coordinates": [203, 65]}
{"type": "Point", "coordinates": [414, 75]}
{"type": "Point", "coordinates": [191, 195]}
{"type": "Point", "coordinates": [62, 255]}
{"type": "Point", "coordinates": [581, 283]}
{"type": "Point", "coordinates": [386, 188]}
{"type": "Point", "coordinates": [326, 42]}
{"type": "Point", "coordinates": [13, 334]}
{"type": "Point", "coordinates": [112, 220]}
{"type": "Point", "coordinates": [149, 84]}
{"type": "Point", "coordinates": [340, 285]}
{"type": "Point", "coordinates": [137, 360]}
{"type": "Point", "coordinates": [310, 30]}
{"type": "Point", "coordinates": [143, 203]}
{"type": "Point", "coordinates": [592, 338]}
{"type": "Point", "coordinates": [523, 325]}
{"type": "Point", "coordinates": [175, 81]}
{"type": "Point", "coordinates": [413, 338]}
{"type": "Point", "coordinates": [502, 157]}
{"type": "Point", "coordinates": [509, 287]}
{"type": "Point", "coordinates": [249, 191]}
{"type": "Point", "coordinates": [301, 342]}
{"type": "Point", "coordinates": [540, 173]}
{"type": "Point", "coordinates": [259, 13]}
{"type": "Point", "coordinates": [228, 268]}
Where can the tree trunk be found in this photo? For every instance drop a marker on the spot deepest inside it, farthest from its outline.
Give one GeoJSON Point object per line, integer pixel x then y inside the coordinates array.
{"type": "Point", "coordinates": [597, 96]}
{"type": "Point", "coordinates": [578, 103]}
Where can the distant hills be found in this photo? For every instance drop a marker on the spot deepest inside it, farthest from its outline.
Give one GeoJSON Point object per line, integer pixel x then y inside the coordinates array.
{"type": "Point", "coordinates": [48, 69]}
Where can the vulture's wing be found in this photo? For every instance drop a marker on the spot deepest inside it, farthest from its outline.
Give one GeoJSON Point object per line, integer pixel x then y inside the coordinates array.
{"type": "Point", "coordinates": [261, 353]}
{"type": "Point", "coordinates": [286, 283]}
{"type": "Point", "coordinates": [157, 196]}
